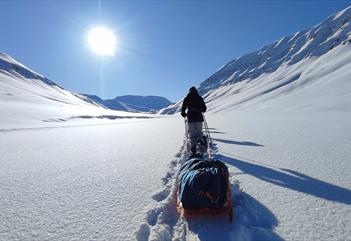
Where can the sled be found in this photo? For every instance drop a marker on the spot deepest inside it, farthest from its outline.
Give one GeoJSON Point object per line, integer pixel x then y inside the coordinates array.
{"type": "Point", "coordinates": [191, 177]}
{"type": "Point", "coordinates": [225, 211]}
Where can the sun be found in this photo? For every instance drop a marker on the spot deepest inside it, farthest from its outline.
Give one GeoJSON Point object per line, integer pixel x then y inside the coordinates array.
{"type": "Point", "coordinates": [102, 41]}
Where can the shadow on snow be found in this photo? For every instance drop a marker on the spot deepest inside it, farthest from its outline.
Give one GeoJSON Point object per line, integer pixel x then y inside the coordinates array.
{"type": "Point", "coordinates": [241, 143]}
{"type": "Point", "coordinates": [252, 221]}
{"type": "Point", "coordinates": [292, 179]}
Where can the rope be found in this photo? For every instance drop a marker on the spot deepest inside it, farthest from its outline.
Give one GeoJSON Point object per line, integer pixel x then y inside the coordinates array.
{"type": "Point", "coordinates": [207, 134]}
{"type": "Point", "coordinates": [186, 134]}
{"type": "Point", "coordinates": [209, 139]}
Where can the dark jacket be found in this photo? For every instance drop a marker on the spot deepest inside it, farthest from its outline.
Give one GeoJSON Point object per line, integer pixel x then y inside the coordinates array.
{"type": "Point", "coordinates": [195, 105]}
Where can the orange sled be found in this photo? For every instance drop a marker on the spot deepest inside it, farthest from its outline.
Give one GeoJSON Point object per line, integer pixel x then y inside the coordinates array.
{"type": "Point", "coordinates": [226, 210]}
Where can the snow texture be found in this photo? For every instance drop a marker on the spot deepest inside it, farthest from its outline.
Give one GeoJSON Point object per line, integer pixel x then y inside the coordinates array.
{"type": "Point", "coordinates": [74, 170]}
{"type": "Point", "coordinates": [81, 183]}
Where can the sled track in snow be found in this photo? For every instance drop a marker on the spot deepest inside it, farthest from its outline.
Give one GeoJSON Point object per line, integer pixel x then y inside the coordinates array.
{"type": "Point", "coordinates": [252, 220]}
{"type": "Point", "coordinates": [162, 221]}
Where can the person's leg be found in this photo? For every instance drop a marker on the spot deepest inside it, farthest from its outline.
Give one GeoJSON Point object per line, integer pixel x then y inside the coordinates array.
{"type": "Point", "coordinates": [192, 130]}
{"type": "Point", "coordinates": [200, 143]}
{"type": "Point", "coordinates": [199, 134]}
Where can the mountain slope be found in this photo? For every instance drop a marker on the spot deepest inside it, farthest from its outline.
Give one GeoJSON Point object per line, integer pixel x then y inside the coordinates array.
{"type": "Point", "coordinates": [141, 103]}
{"type": "Point", "coordinates": [131, 103]}
{"type": "Point", "coordinates": [22, 83]}
{"type": "Point", "coordinates": [28, 98]}
{"type": "Point", "coordinates": [287, 69]}
{"type": "Point", "coordinates": [106, 103]}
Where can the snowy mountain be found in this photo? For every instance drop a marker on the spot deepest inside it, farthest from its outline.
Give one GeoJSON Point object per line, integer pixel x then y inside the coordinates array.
{"type": "Point", "coordinates": [313, 64]}
{"type": "Point", "coordinates": [106, 103]}
{"type": "Point", "coordinates": [132, 103]}
{"type": "Point", "coordinates": [31, 99]}
{"type": "Point", "coordinates": [117, 179]}
{"type": "Point", "coordinates": [141, 103]}
{"type": "Point", "coordinates": [20, 82]}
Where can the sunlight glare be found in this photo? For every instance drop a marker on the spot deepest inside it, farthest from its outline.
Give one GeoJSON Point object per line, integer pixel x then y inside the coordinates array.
{"type": "Point", "coordinates": [102, 41]}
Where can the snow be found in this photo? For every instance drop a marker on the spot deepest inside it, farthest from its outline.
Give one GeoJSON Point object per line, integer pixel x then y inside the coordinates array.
{"type": "Point", "coordinates": [12, 61]}
{"type": "Point", "coordinates": [294, 172]}
{"type": "Point", "coordinates": [82, 183]}
{"type": "Point", "coordinates": [286, 66]}
{"type": "Point", "coordinates": [72, 169]}
{"type": "Point", "coordinates": [295, 165]}
{"type": "Point", "coordinates": [97, 182]}
{"type": "Point", "coordinates": [30, 100]}
{"type": "Point", "coordinates": [282, 118]}
{"type": "Point", "coordinates": [131, 103]}
{"type": "Point", "coordinates": [322, 81]}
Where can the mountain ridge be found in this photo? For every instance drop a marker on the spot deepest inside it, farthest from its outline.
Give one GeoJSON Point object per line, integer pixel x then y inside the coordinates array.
{"type": "Point", "coordinates": [237, 78]}
{"type": "Point", "coordinates": [132, 103]}
{"type": "Point", "coordinates": [303, 43]}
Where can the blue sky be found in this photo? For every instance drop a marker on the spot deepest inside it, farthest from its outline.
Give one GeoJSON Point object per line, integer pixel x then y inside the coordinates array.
{"type": "Point", "coordinates": [165, 46]}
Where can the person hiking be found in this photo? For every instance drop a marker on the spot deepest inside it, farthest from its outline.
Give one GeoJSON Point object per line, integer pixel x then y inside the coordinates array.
{"type": "Point", "coordinates": [195, 105]}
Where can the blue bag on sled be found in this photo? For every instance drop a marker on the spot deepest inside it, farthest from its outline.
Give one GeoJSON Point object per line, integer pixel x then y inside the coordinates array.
{"type": "Point", "coordinates": [203, 184]}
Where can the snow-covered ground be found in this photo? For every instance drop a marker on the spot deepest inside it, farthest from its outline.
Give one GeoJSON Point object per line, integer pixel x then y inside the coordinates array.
{"type": "Point", "coordinates": [73, 170]}
{"type": "Point", "coordinates": [83, 182]}
{"type": "Point", "coordinates": [296, 166]}
{"type": "Point", "coordinates": [116, 181]}
{"type": "Point", "coordinates": [294, 172]}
